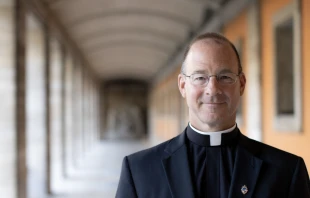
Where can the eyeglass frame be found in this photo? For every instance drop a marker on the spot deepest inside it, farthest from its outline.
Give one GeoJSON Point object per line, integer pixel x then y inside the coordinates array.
{"type": "Point", "coordinates": [216, 77]}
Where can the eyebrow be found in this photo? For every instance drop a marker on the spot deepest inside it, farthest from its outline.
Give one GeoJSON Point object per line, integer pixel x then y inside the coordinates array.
{"type": "Point", "coordinates": [199, 72]}
{"type": "Point", "coordinates": [225, 71]}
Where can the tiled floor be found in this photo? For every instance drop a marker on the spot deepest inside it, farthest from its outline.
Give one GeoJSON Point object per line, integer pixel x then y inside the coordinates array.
{"type": "Point", "coordinates": [98, 173]}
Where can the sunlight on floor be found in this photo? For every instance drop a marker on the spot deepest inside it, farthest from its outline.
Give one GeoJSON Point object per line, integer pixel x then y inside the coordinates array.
{"type": "Point", "coordinates": [98, 173]}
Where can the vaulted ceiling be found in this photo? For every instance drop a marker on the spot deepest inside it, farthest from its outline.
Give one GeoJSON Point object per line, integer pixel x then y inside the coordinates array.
{"type": "Point", "coordinates": [131, 39]}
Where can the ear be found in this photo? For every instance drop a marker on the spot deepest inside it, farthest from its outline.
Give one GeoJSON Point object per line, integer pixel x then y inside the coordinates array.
{"type": "Point", "coordinates": [181, 85]}
{"type": "Point", "coordinates": [242, 83]}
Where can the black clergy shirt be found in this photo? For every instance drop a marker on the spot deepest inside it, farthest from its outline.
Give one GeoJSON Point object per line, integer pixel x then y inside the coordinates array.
{"type": "Point", "coordinates": [211, 166]}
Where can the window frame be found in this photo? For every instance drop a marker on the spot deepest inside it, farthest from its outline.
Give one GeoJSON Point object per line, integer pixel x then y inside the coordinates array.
{"type": "Point", "coordinates": [291, 123]}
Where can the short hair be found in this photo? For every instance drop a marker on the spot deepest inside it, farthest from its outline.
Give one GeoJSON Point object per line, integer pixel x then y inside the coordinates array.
{"type": "Point", "coordinates": [214, 36]}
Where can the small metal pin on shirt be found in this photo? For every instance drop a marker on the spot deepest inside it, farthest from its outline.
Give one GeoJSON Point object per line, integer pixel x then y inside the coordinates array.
{"type": "Point", "coordinates": [244, 189]}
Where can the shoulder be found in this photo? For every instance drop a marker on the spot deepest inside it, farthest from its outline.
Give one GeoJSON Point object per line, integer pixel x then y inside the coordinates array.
{"type": "Point", "coordinates": [152, 153]}
{"type": "Point", "coordinates": [270, 154]}
{"type": "Point", "coordinates": [161, 150]}
{"type": "Point", "coordinates": [148, 163]}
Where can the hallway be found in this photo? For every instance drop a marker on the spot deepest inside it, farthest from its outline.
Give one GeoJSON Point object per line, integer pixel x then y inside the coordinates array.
{"type": "Point", "coordinates": [86, 82]}
{"type": "Point", "coordinates": [98, 172]}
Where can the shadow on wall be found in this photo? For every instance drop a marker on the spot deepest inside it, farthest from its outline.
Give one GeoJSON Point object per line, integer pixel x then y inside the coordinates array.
{"type": "Point", "coordinates": [125, 109]}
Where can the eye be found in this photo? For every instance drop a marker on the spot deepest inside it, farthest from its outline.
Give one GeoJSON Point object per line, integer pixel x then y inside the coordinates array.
{"type": "Point", "coordinates": [226, 78]}
{"type": "Point", "coordinates": [200, 78]}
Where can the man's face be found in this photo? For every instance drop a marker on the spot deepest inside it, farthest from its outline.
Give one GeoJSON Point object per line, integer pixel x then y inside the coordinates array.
{"type": "Point", "coordinates": [214, 106]}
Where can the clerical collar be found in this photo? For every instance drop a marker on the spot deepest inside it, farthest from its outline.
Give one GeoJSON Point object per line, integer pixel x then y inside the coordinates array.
{"type": "Point", "coordinates": [217, 138]}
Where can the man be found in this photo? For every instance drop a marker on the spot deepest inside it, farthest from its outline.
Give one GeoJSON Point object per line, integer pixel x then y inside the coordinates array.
{"type": "Point", "coordinates": [211, 158]}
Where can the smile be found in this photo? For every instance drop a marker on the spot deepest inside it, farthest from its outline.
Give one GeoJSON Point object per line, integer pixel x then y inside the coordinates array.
{"type": "Point", "coordinates": [214, 104]}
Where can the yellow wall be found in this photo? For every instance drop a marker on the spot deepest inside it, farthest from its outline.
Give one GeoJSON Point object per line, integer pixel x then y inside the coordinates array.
{"type": "Point", "coordinates": [297, 143]}
{"type": "Point", "coordinates": [235, 30]}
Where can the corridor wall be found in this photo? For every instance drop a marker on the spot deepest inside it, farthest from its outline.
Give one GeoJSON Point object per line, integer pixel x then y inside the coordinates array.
{"type": "Point", "coordinates": [37, 81]}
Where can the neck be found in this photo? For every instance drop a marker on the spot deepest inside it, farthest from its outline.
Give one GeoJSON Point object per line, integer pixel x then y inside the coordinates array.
{"type": "Point", "coordinates": [216, 138]}
{"type": "Point", "coordinates": [205, 127]}
{"type": "Point", "coordinates": [213, 132]}
{"type": "Point", "coordinates": [218, 125]}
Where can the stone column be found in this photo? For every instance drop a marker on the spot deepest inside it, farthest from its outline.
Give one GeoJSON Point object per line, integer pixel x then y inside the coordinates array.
{"type": "Point", "coordinates": [90, 113]}
{"type": "Point", "coordinates": [20, 26]}
{"type": "Point", "coordinates": [99, 119]}
{"type": "Point", "coordinates": [254, 112]}
{"type": "Point", "coordinates": [93, 112]}
{"type": "Point", "coordinates": [68, 136]}
{"type": "Point", "coordinates": [103, 112]}
{"type": "Point", "coordinates": [88, 129]}
{"type": "Point", "coordinates": [63, 112]}
{"type": "Point", "coordinates": [97, 112]}
{"type": "Point", "coordinates": [12, 155]}
{"type": "Point", "coordinates": [55, 113]}
{"type": "Point", "coordinates": [84, 110]}
{"type": "Point", "coordinates": [48, 109]}
{"type": "Point", "coordinates": [35, 108]}
{"type": "Point", "coordinates": [77, 88]}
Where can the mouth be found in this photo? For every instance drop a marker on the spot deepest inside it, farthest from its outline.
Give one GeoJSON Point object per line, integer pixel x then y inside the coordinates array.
{"type": "Point", "coordinates": [213, 104]}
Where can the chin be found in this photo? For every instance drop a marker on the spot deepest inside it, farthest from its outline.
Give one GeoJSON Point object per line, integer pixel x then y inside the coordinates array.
{"type": "Point", "coordinates": [217, 115]}
{"type": "Point", "coordinates": [212, 120]}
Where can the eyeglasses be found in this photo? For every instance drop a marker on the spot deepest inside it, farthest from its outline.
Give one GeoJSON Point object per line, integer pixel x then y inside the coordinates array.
{"type": "Point", "coordinates": [222, 79]}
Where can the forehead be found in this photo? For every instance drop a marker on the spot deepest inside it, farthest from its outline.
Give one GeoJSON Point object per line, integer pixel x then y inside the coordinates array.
{"type": "Point", "coordinates": [211, 55]}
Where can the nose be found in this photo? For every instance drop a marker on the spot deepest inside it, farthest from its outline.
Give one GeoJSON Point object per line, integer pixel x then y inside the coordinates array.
{"type": "Point", "coordinates": [213, 87]}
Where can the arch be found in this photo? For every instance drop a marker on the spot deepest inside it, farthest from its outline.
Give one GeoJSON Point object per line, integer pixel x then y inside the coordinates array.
{"type": "Point", "coordinates": [107, 32]}
{"type": "Point", "coordinates": [120, 43]}
{"type": "Point", "coordinates": [122, 12]}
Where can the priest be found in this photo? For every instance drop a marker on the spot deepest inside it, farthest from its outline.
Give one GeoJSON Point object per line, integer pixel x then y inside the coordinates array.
{"type": "Point", "coordinates": [211, 158]}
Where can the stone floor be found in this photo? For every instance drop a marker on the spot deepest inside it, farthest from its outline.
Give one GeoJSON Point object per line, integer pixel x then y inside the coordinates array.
{"type": "Point", "coordinates": [98, 173]}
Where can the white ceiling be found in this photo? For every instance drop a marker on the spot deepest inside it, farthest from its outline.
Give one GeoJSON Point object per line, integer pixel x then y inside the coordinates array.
{"type": "Point", "coordinates": [129, 39]}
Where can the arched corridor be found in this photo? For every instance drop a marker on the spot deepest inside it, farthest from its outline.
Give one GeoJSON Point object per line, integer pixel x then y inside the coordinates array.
{"type": "Point", "coordinates": [84, 83]}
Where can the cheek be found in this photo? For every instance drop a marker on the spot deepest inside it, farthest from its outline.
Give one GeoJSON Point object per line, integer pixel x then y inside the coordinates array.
{"type": "Point", "coordinates": [234, 98]}
{"type": "Point", "coordinates": [194, 94]}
